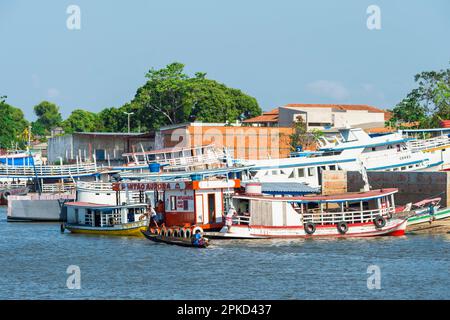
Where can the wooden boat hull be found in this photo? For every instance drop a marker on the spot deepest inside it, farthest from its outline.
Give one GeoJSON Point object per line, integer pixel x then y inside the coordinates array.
{"type": "Point", "coordinates": [439, 222]}
{"type": "Point", "coordinates": [394, 227]}
{"type": "Point", "coordinates": [172, 240]}
{"type": "Point", "coordinates": [129, 230]}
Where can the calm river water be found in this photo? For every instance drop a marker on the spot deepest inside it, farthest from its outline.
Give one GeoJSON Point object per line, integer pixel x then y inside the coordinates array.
{"type": "Point", "coordinates": [34, 259]}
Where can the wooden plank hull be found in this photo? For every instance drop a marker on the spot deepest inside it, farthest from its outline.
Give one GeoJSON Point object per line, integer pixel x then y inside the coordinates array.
{"type": "Point", "coordinates": [129, 232]}
{"type": "Point", "coordinates": [172, 240]}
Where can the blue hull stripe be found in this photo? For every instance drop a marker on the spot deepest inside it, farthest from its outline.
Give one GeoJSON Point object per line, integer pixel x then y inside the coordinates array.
{"type": "Point", "coordinates": [397, 165]}
{"type": "Point", "coordinates": [366, 146]}
{"type": "Point", "coordinates": [293, 165]}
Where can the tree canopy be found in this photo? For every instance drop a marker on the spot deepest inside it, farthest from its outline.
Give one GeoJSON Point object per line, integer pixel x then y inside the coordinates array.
{"type": "Point", "coordinates": [82, 121]}
{"type": "Point", "coordinates": [49, 117]}
{"type": "Point", "coordinates": [301, 137]}
{"type": "Point", "coordinates": [12, 125]}
{"type": "Point", "coordinates": [427, 104]}
{"type": "Point", "coordinates": [170, 96]}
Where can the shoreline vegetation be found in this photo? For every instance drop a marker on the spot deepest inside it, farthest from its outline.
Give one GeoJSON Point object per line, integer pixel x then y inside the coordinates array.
{"type": "Point", "coordinates": [170, 96]}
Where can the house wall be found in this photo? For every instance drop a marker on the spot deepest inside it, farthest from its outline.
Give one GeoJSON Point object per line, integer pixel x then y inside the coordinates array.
{"type": "Point", "coordinates": [243, 142]}
{"type": "Point", "coordinates": [72, 145]}
{"type": "Point", "coordinates": [337, 118]}
{"type": "Point", "coordinates": [58, 146]}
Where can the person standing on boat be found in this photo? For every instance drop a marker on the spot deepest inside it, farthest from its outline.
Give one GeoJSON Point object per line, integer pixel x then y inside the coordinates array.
{"type": "Point", "coordinates": [229, 217]}
{"type": "Point", "coordinates": [153, 216]}
{"type": "Point", "coordinates": [432, 210]}
{"type": "Point", "coordinates": [160, 210]}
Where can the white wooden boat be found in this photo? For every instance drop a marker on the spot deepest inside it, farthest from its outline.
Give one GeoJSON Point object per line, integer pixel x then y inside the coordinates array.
{"type": "Point", "coordinates": [102, 219]}
{"type": "Point", "coordinates": [363, 214]}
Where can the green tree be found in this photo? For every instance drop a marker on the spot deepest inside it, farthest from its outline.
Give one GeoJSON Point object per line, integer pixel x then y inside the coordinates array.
{"type": "Point", "coordinates": [82, 121]}
{"type": "Point", "coordinates": [426, 104]}
{"type": "Point", "coordinates": [170, 96]}
{"type": "Point", "coordinates": [12, 125]}
{"type": "Point", "coordinates": [302, 137]}
{"type": "Point", "coordinates": [49, 117]}
{"type": "Point", "coordinates": [215, 102]}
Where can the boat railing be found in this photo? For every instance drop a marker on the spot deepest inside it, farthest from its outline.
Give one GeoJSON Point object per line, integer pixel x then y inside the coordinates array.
{"type": "Point", "coordinates": [210, 156]}
{"type": "Point", "coordinates": [346, 216]}
{"type": "Point", "coordinates": [13, 184]}
{"type": "Point", "coordinates": [58, 188]}
{"type": "Point", "coordinates": [241, 220]}
{"type": "Point", "coordinates": [95, 186]}
{"type": "Point", "coordinates": [48, 170]}
{"type": "Point", "coordinates": [419, 145]}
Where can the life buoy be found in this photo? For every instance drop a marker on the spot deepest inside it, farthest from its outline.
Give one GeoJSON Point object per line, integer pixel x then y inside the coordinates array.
{"type": "Point", "coordinates": [194, 231]}
{"type": "Point", "coordinates": [310, 228]}
{"type": "Point", "coordinates": [342, 227]}
{"type": "Point", "coordinates": [379, 222]}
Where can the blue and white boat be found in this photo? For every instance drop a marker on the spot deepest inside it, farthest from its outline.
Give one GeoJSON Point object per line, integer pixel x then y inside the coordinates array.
{"type": "Point", "coordinates": [352, 150]}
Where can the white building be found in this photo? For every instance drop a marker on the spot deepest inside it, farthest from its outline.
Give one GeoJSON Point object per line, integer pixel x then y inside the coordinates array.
{"type": "Point", "coordinates": [322, 116]}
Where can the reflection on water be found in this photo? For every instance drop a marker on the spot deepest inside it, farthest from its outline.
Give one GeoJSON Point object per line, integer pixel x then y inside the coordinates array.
{"type": "Point", "coordinates": [34, 259]}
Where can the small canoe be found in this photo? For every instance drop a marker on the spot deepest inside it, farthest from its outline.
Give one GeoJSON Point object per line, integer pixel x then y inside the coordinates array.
{"type": "Point", "coordinates": [173, 240]}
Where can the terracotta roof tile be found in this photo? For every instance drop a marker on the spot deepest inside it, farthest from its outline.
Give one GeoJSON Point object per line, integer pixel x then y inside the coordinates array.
{"type": "Point", "coordinates": [335, 106]}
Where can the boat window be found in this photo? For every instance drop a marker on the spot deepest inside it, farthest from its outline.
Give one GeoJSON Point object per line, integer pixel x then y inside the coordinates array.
{"type": "Point", "coordinates": [311, 171]}
{"type": "Point", "coordinates": [374, 148]}
{"type": "Point", "coordinates": [403, 168]}
{"type": "Point", "coordinates": [301, 172]}
{"type": "Point", "coordinates": [332, 167]}
{"type": "Point", "coordinates": [292, 175]}
{"type": "Point", "coordinates": [274, 172]}
{"type": "Point", "coordinates": [173, 203]}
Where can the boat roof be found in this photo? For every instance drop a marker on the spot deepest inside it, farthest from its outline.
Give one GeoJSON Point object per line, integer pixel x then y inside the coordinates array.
{"type": "Point", "coordinates": [349, 196]}
{"type": "Point", "coordinates": [100, 206]}
{"type": "Point", "coordinates": [166, 150]}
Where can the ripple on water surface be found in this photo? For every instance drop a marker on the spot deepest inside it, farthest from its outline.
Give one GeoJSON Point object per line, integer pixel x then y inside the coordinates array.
{"type": "Point", "coordinates": [34, 258]}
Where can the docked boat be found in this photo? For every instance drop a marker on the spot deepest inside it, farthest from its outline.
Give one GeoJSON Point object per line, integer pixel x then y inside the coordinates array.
{"type": "Point", "coordinates": [101, 219]}
{"type": "Point", "coordinates": [428, 216]}
{"type": "Point", "coordinates": [20, 158]}
{"type": "Point", "coordinates": [184, 237]}
{"type": "Point", "coordinates": [7, 190]}
{"type": "Point", "coordinates": [361, 214]}
{"type": "Point", "coordinates": [182, 203]}
{"type": "Point", "coordinates": [173, 160]}
{"type": "Point", "coordinates": [434, 142]}
{"type": "Point", "coordinates": [350, 150]}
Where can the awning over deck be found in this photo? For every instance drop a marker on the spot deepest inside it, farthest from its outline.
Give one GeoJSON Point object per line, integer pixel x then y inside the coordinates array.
{"type": "Point", "coordinates": [287, 188]}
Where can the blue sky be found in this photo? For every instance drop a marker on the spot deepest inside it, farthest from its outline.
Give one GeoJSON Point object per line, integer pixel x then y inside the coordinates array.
{"type": "Point", "coordinates": [286, 51]}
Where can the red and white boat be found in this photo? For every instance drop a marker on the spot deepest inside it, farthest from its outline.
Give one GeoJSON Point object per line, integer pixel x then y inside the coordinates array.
{"type": "Point", "coordinates": [360, 214]}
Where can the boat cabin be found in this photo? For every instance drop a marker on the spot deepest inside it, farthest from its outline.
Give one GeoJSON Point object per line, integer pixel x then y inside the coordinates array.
{"type": "Point", "coordinates": [103, 215]}
{"type": "Point", "coordinates": [182, 203]}
{"type": "Point", "coordinates": [359, 207]}
{"type": "Point", "coordinates": [174, 157]}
